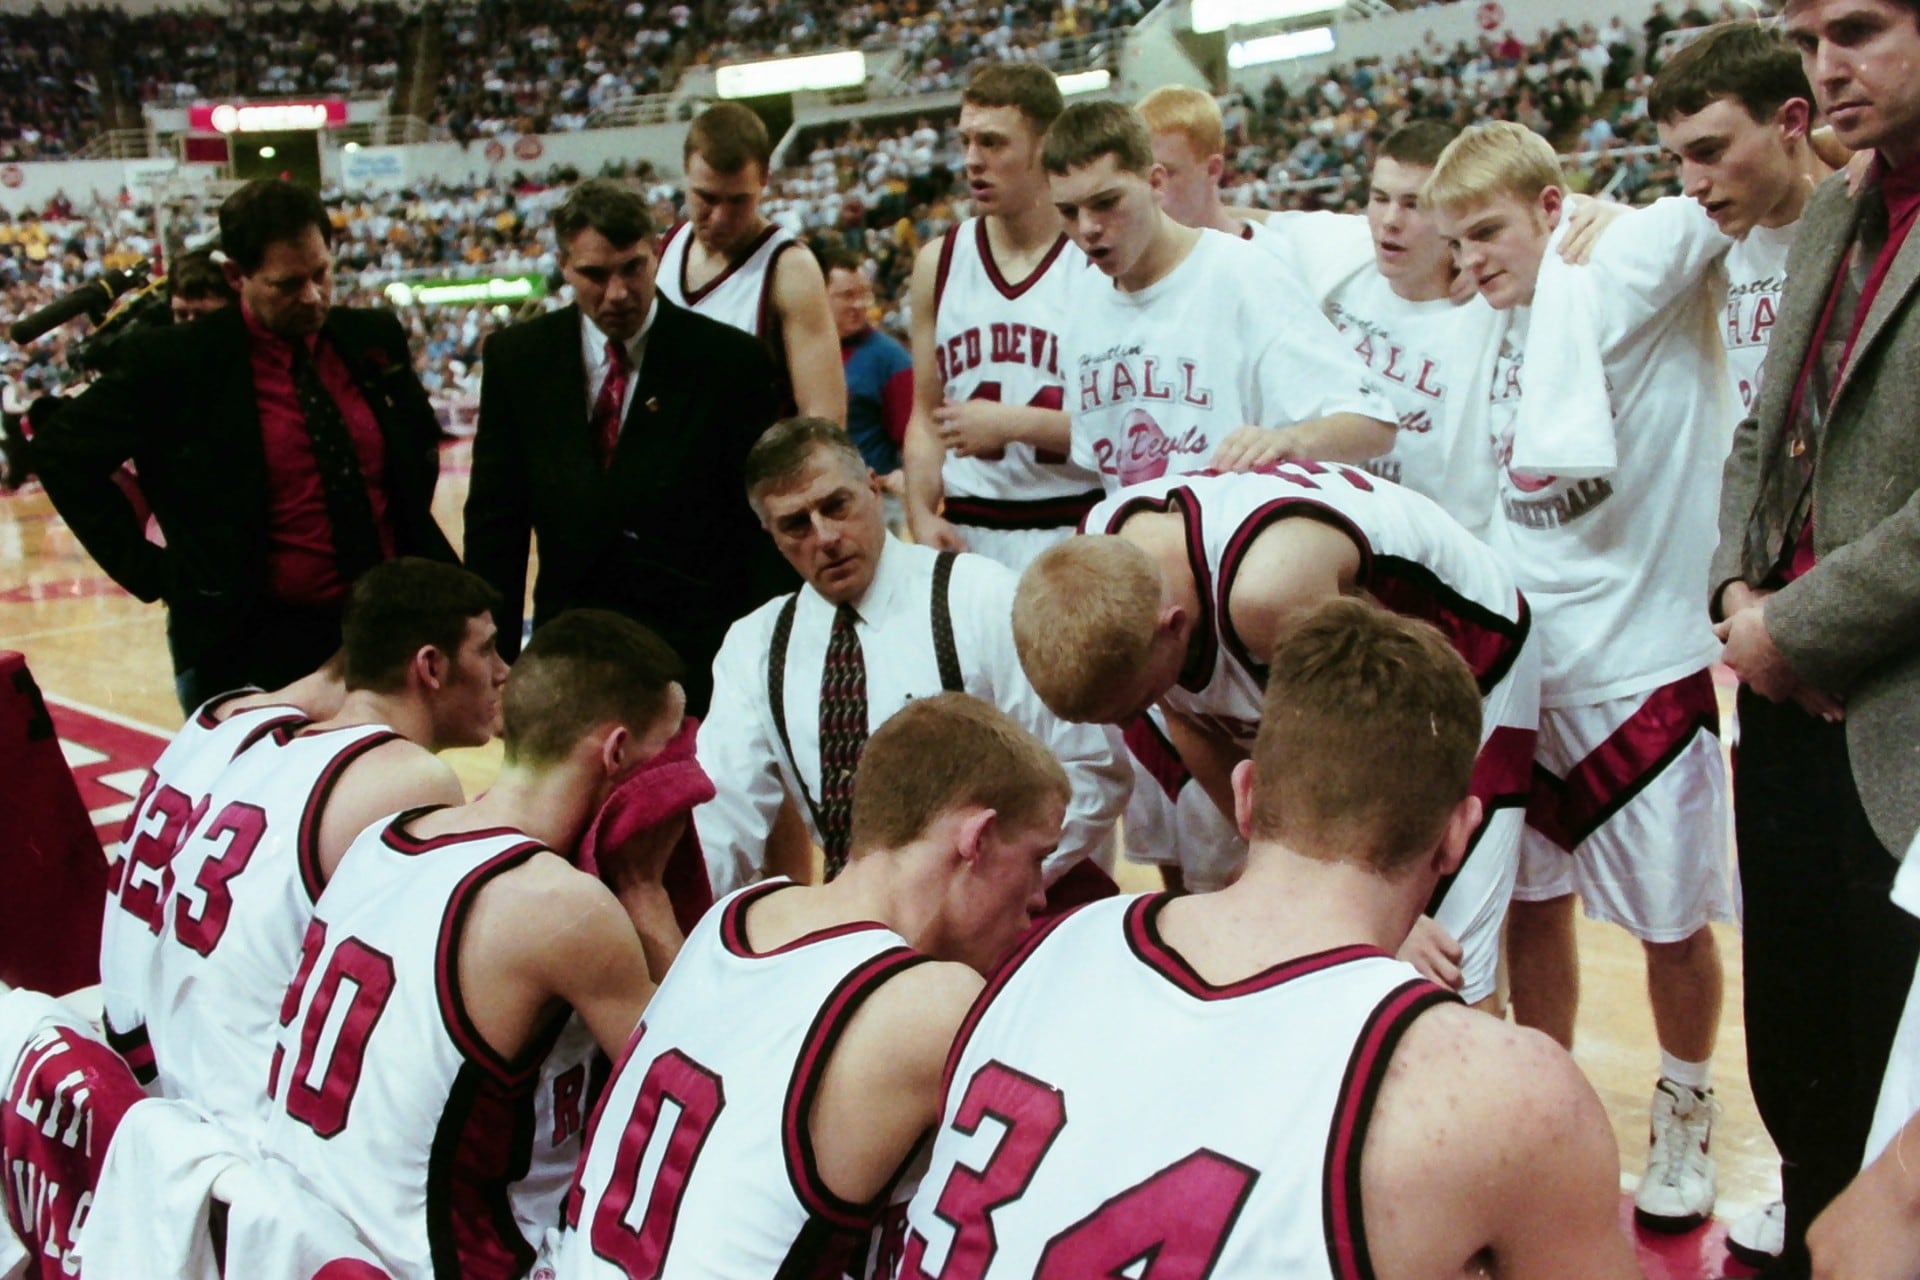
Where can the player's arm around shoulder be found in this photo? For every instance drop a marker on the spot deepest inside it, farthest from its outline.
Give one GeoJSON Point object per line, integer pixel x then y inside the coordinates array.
{"type": "Point", "coordinates": [881, 1089]}
{"type": "Point", "coordinates": [813, 344]}
{"type": "Point", "coordinates": [547, 932]}
{"type": "Point", "coordinates": [921, 454]}
{"type": "Point", "coordinates": [384, 780]}
{"type": "Point", "coordinates": [1487, 1146]}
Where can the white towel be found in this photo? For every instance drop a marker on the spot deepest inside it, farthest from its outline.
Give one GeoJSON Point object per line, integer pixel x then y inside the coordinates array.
{"type": "Point", "coordinates": [1565, 423]}
{"type": "Point", "coordinates": [150, 1210]}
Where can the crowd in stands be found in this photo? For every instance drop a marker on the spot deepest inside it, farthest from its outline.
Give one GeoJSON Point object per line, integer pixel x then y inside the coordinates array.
{"type": "Point", "coordinates": [885, 190]}
{"type": "Point", "coordinates": [521, 66]}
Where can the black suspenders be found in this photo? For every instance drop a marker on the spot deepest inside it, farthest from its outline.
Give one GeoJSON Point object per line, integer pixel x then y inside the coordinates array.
{"type": "Point", "coordinates": [944, 653]}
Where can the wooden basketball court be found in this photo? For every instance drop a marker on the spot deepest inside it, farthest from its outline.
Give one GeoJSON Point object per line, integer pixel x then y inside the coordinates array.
{"type": "Point", "coordinates": [100, 656]}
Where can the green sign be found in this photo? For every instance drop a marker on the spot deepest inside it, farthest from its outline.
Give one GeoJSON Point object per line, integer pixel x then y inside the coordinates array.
{"type": "Point", "coordinates": [440, 293]}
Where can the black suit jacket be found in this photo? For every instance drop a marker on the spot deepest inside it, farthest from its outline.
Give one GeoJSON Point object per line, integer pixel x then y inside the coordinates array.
{"type": "Point", "coordinates": [665, 535]}
{"type": "Point", "coordinates": [181, 407]}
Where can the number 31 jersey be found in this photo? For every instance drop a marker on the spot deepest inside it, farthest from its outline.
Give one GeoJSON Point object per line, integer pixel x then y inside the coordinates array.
{"type": "Point", "coordinates": [1047, 1166]}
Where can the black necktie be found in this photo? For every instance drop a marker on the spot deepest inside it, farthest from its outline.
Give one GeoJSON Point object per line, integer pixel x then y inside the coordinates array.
{"type": "Point", "coordinates": [843, 734]}
{"type": "Point", "coordinates": [356, 539]}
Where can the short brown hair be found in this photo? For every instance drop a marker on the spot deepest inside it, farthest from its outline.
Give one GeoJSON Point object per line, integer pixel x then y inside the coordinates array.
{"type": "Point", "coordinates": [1191, 113]}
{"type": "Point", "coordinates": [1083, 621]}
{"type": "Point", "coordinates": [606, 205]}
{"type": "Point", "coordinates": [1418, 144]}
{"type": "Point", "coordinates": [1023, 85]}
{"type": "Point", "coordinates": [1086, 131]}
{"type": "Point", "coordinates": [947, 752]}
{"type": "Point", "coordinates": [1751, 62]}
{"type": "Point", "coordinates": [584, 668]}
{"type": "Point", "coordinates": [1367, 737]}
{"type": "Point", "coordinates": [401, 606]}
{"type": "Point", "coordinates": [1488, 161]}
{"type": "Point", "coordinates": [786, 447]}
{"type": "Point", "coordinates": [728, 136]}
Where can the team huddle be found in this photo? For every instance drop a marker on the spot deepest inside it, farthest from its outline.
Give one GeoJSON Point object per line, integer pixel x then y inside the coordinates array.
{"type": "Point", "coordinates": [1349, 569]}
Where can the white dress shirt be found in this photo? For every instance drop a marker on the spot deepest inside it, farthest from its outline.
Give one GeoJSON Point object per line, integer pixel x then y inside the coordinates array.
{"type": "Point", "coordinates": [593, 351]}
{"type": "Point", "coordinates": [741, 750]}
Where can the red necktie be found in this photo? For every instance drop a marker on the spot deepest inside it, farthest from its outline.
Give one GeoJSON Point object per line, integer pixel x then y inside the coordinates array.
{"type": "Point", "coordinates": [608, 406]}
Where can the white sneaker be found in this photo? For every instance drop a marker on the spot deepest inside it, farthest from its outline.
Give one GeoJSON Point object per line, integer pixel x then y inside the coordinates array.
{"type": "Point", "coordinates": [1676, 1192]}
{"type": "Point", "coordinates": [1759, 1237]}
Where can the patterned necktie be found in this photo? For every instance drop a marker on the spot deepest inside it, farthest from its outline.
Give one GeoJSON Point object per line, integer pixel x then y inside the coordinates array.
{"type": "Point", "coordinates": [609, 405]}
{"type": "Point", "coordinates": [843, 734]}
{"type": "Point", "coordinates": [356, 539]}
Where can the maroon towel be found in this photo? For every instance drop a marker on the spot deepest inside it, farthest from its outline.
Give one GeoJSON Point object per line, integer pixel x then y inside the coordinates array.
{"type": "Point", "coordinates": [663, 788]}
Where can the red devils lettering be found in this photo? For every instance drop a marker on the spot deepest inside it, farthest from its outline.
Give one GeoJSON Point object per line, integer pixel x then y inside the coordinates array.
{"type": "Point", "coordinates": [1007, 343]}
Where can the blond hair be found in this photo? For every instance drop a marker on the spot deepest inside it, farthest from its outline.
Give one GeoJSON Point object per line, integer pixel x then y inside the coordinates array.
{"type": "Point", "coordinates": [1189, 112]}
{"type": "Point", "coordinates": [1488, 161]}
{"type": "Point", "coordinates": [1083, 622]}
{"type": "Point", "coordinates": [1367, 739]}
{"type": "Point", "coordinates": [951, 751]}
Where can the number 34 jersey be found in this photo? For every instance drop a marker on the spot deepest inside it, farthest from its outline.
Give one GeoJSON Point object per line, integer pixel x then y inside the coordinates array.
{"type": "Point", "coordinates": [386, 1102]}
{"type": "Point", "coordinates": [1047, 1165]}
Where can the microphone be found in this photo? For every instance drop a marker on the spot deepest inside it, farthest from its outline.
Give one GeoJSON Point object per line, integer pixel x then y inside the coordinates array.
{"type": "Point", "coordinates": [92, 298]}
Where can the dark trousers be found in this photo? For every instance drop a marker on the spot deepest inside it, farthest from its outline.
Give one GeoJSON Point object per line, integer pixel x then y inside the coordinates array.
{"type": "Point", "coordinates": [1828, 958]}
{"type": "Point", "coordinates": [276, 646]}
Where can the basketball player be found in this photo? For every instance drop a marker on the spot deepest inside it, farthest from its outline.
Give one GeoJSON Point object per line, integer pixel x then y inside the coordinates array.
{"type": "Point", "coordinates": [1434, 353]}
{"type": "Point", "coordinates": [986, 446]}
{"type": "Point", "coordinates": [1735, 108]}
{"type": "Point", "coordinates": [1195, 352]}
{"type": "Point", "coordinates": [797, 1109]}
{"type": "Point", "coordinates": [452, 951]}
{"type": "Point", "coordinates": [1177, 595]}
{"type": "Point", "coordinates": [176, 789]}
{"type": "Point", "coordinates": [1606, 520]}
{"type": "Point", "coordinates": [1343, 1117]}
{"type": "Point", "coordinates": [1190, 145]}
{"type": "Point", "coordinates": [729, 262]}
{"type": "Point", "coordinates": [421, 676]}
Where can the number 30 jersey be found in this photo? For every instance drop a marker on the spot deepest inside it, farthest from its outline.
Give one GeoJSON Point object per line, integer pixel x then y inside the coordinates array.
{"type": "Point", "coordinates": [699, 1162]}
{"type": "Point", "coordinates": [387, 1103]}
{"type": "Point", "coordinates": [994, 340]}
{"type": "Point", "coordinates": [1047, 1166]}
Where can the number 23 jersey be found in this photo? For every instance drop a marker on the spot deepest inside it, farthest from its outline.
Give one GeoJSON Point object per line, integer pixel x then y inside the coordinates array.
{"type": "Point", "coordinates": [1047, 1165]}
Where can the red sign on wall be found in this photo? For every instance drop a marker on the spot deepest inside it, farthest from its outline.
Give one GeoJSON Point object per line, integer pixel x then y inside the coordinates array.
{"type": "Point", "coordinates": [266, 117]}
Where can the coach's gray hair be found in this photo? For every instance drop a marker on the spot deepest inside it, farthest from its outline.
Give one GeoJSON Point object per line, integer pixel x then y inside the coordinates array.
{"type": "Point", "coordinates": [784, 449]}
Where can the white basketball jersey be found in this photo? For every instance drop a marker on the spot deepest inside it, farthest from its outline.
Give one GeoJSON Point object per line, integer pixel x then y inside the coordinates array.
{"type": "Point", "coordinates": [1756, 269]}
{"type": "Point", "coordinates": [1414, 559]}
{"type": "Point", "coordinates": [449, 1159]}
{"type": "Point", "coordinates": [994, 340]}
{"type": "Point", "coordinates": [171, 799]}
{"type": "Point", "coordinates": [741, 295]}
{"type": "Point", "coordinates": [1048, 1162]}
{"type": "Point", "coordinates": [722, 1181]}
{"type": "Point", "coordinates": [1433, 358]}
{"type": "Point", "coordinates": [1159, 377]}
{"type": "Point", "coordinates": [243, 886]}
